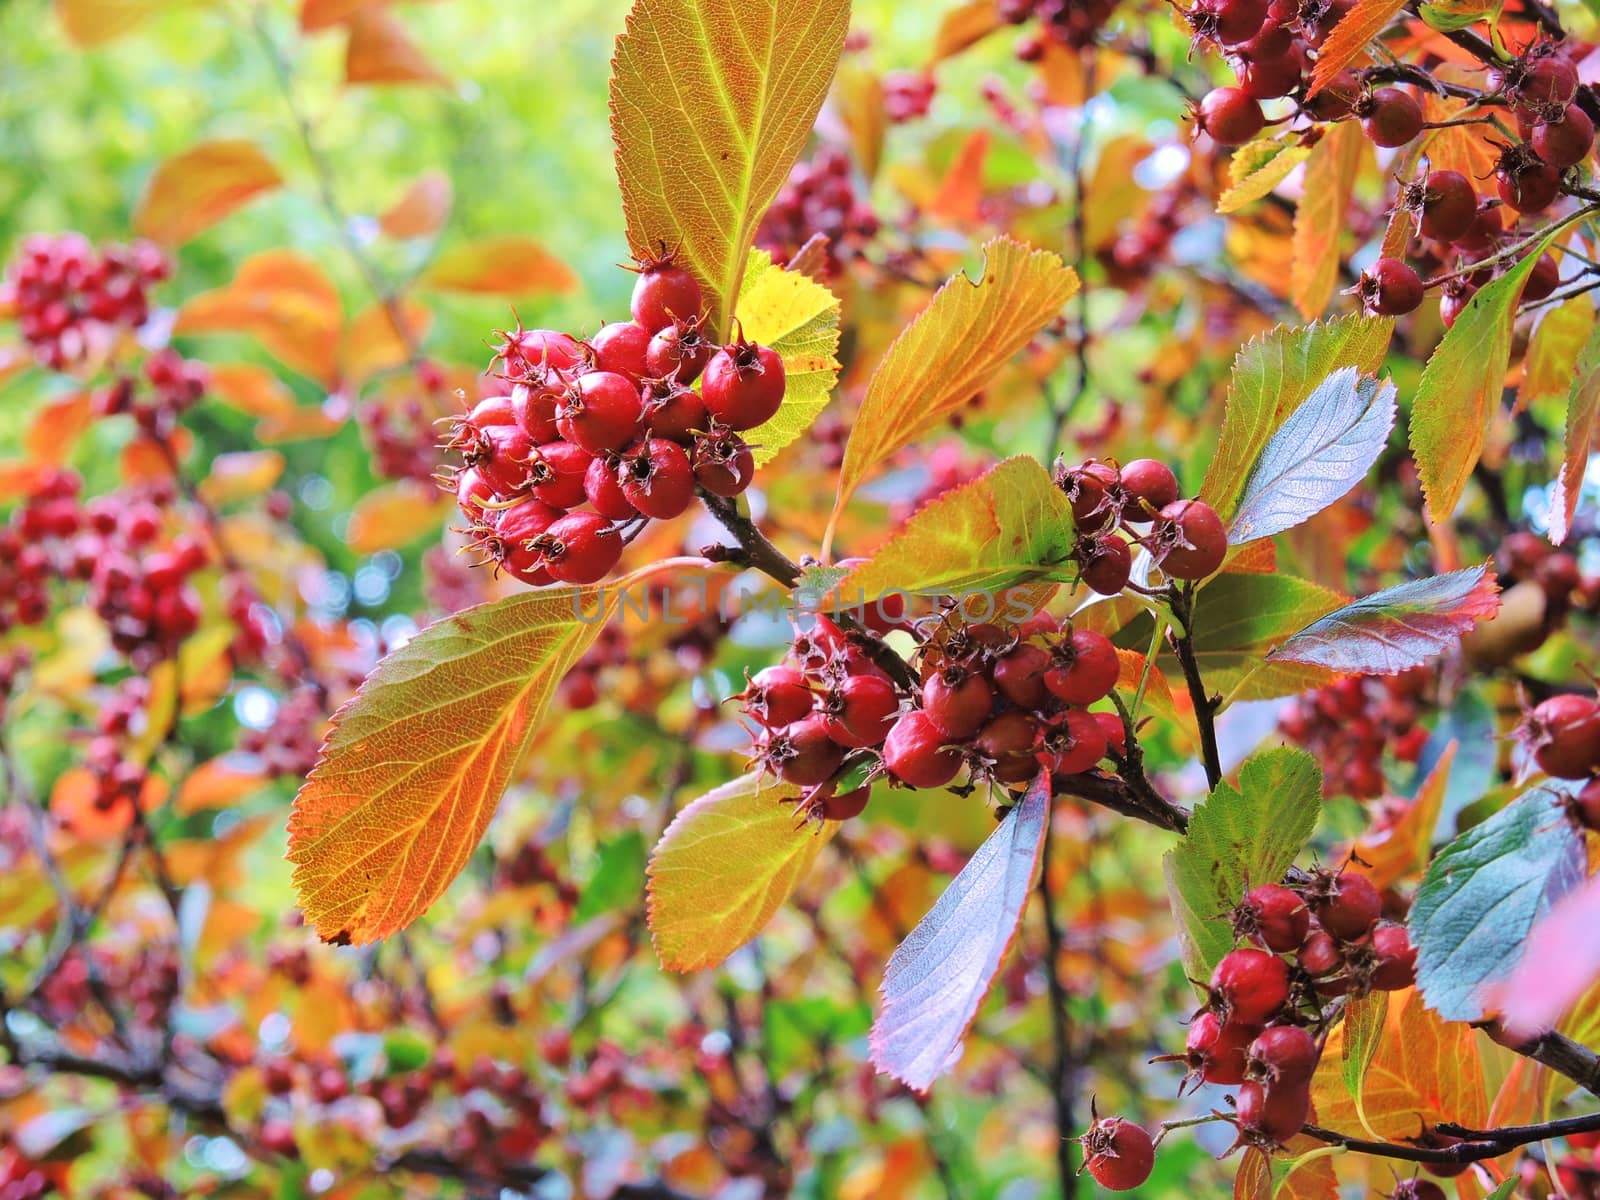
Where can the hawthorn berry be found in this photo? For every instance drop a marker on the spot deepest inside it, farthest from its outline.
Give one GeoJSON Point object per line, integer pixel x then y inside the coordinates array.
{"type": "Point", "coordinates": [1282, 1056]}
{"type": "Point", "coordinates": [724, 463]}
{"type": "Point", "coordinates": [1538, 83]}
{"type": "Point", "coordinates": [1448, 205]}
{"type": "Point", "coordinates": [957, 700]}
{"type": "Point", "coordinates": [1088, 489]}
{"type": "Point", "coordinates": [1347, 905]}
{"type": "Point", "coordinates": [776, 695]}
{"type": "Point", "coordinates": [1524, 182]}
{"type": "Point", "coordinates": [1229, 116]}
{"type": "Point", "coordinates": [1083, 667]}
{"type": "Point", "coordinates": [473, 491]}
{"type": "Point", "coordinates": [622, 348]}
{"type": "Point", "coordinates": [802, 753]}
{"type": "Point", "coordinates": [664, 292]}
{"type": "Point", "coordinates": [1338, 98]}
{"type": "Point", "coordinates": [1117, 1153]}
{"type": "Point", "coordinates": [601, 412]}
{"type": "Point", "coordinates": [915, 752]}
{"type": "Point", "coordinates": [1271, 75]}
{"type": "Point", "coordinates": [1563, 735]}
{"type": "Point", "coordinates": [1272, 1114]}
{"type": "Point", "coordinates": [1585, 806]}
{"type": "Point", "coordinates": [1390, 117]}
{"type": "Point", "coordinates": [1070, 743]}
{"type": "Point", "coordinates": [1453, 299]}
{"type": "Point", "coordinates": [1565, 142]}
{"type": "Point", "coordinates": [1189, 540]}
{"type": "Point", "coordinates": [604, 492]}
{"type": "Point", "coordinates": [500, 453]}
{"type": "Point", "coordinates": [1229, 22]}
{"type": "Point", "coordinates": [1417, 1189]}
{"type": "Point", "coordinates": [679, 352]}
{"type": "Point", "coordinates": [525, 352]}
{"type": "Point", "coordinates": [844, 805]}
{"type": "Point", "coordinates": [1005, 746]}
{"type": "Point", "coordinates": [557, 473]}
{"type": "Point", "coordinates": [1394, 958]}
{"type": "Point", "coordinates": [1149, 484]}
{"type": "Point", "coordinates": [656, 477]}
{"type": "Point", "coordinates": [1542, 280]}
{"type": "Point", "coordinates": [1273, 916]}
{"type": "Point", "coordinates": [743, 385]}
{"type": "Point", "coordinates": [580, 547]}
{"type": "Point", "coordinates": [1248, 986]}
{"type": "Point", "coordinates": [533, 407]}
{"type": "Point", "coordinates": [1216, 1051]}
{"type": "Point", "coordinates": [1116, 732]}
{"type": "Point", "coordinates": [1320, 955]}
{"type": "Point", "coordinates": [1105, 563]}
{"type": "Point", "coordinates": [1390, 288]}
{"type": "Point", "coordinates": [672, 410]}
{"type": "Point", "coordinates": [859, 709]}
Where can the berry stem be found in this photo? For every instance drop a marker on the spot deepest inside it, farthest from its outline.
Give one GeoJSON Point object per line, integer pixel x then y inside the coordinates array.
{"type": "Point", "coordinates": [1063, 1061]}
{"type": "Point", "coordinates": [1205, 704]}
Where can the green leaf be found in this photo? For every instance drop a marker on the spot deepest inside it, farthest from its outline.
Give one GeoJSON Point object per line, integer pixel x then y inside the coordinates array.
{"type": "Point", "coordinates": [1481, 896]}
{"type": "Point", "coordinates": [618, 879]}
{"type": "Point", "coordinates": [799, 318]}
{"type": "Point", "coordinates": [711, 103]}
{"type": "Point", "coordinates": [1272, 376]}
{"type": "Point", "coordinates": [1459, 393]}
{"type": "Point", "coordinates": [1261, 166]}
{"type": "Point", "coordinates": [1364, 1018]}
{"type": "Point", "coordinates": [1582, 440]}
{"type": "Point", "coordinates": [1239, 838]}
{"type": "Point", "coordinates": [1447, 16]}
{"type": "Point", "coordinates": [1009, 525]}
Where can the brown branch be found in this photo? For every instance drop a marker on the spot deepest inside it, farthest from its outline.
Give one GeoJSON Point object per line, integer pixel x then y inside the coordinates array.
{"type": "Point", "coordinates": [1475, 1146]}
{"type": "Point", "coordinates": [1205, 704]}
{"type": "Point", "coordinates": [1063, 1069]}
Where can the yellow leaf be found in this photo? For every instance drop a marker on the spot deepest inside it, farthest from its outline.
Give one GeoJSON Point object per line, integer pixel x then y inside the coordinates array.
{"type": "Point", "coordinates": [381, 51]}
{"type": "Point", "coordinates": [1553, 349]}
{"type": "Point", "coordinates": [252, 389]}
{"type": "Point", "coordinates": [724, 866]}
{"type": "Point", "coordinates": [414, 766]}
{"type": "Point", "coordinates": [711, 103]}
{"type": "Point", "coordinates": [1259, 167]}
{"type": "Point", "coordinates": [858, 97]}
{"type": "Point", "coordinates": [374, 343]}
{"type": "Point", "coordinates": [92, 22]}
{"type": "Point", "coordinates": [1350, 37]}
{"type": "Point", "coordinates": [499, 266]}
{"type": "Point", "coordinates": [194, 190]}
{"type": "Point", "coordinates": [422, 210]}
{"type": "Point", "coordinates": [1319, 220]}
{"type": "Point", "coordinates": [799, 318]}
{"type": "Point", "coordinates": [953, 349]}
{"type": "Point", "coordinates": [395, 515]}
{"type": "Point", "coordinates": [240, 475]}
{"type": "Point", "coordinates": [283, 299]}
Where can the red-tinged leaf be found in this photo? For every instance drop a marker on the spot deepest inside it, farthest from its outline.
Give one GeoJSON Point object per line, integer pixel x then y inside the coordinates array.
{"type": "Point", "coordinates": [964, 26]}
{"type": "Point", "coordinates": [251, 389]}
{"type": "Point", "coordinates": [283, 299]}
{"type": "Point", "coordinates": [953, 349]}
{"type": "Point", "coordinates": [939, 975]}
{"type": "Point", "coordinates": [1459, 393]}
{"type": "Point", "coordinates": [415, 764]}
{"type": "Point", "coordinates": [316, 15]}
{"type": "Point", "coordinates": [240, 475]}
{"type": "Point", "coordinates": [1253, 1179]}
{"type": "Point", "coordinates": [381, 51]}
{"type": "Point", "coordinates": [422, 210]}
{"type": "Point", "coordinates": [724, 866]}
{"type": "Point", "coordinates": [384, 336]}
{"type": "Point", "coordinates": [1272, 376]}
{"type": "Point", "coordinates": [1398, 628]}
{"type": "Point", "coordinates": [699, 160]}
{"type": "Point", "coordinates": [1350, 37]}
{"type": "Point", "coordinates": [1583, 438]}
{"type": "Point", "coordinates": [499, 266]}
{"type": "Point", "coordinates": [1561, 963]}
{"type": "Point", "coordinates": [1324, 448]}
{"type": "Point", "coordinates": [56, 427]}
{"type": "Point", "coordinates": [1319, 219]}
{"type": "Point", "coordinates": [961, 190]}
{"type": "Point", "coordinates": [218, 783]}
{"type": "Point", "coordinates": [194, 190]}
{"type": "Point", "coordinates": [395, 515]}
{"type": "Point", "coordinates": [95, 22]}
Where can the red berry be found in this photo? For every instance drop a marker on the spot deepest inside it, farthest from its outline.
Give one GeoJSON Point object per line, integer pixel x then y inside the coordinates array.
{"type": "Point", "coordinates": [1523, 182]}
{"type": "Point", "coordinates": [743, 385]}
{"type": "Point", "coordinates": [1072, 743]}
{"type": "Point", "coordinates": [1349, 907]}
{"type": "Point", "coordinates": [533, 407]}
{"type": "Point", "coordinates": [664, 292]}
{"type": "Point", "coordinates": [1585, 806]}
{"type": "Point", "coordinates": [1563, 734]}
{"type": "Point", "coordinates": [1274, 917]}
{"type": "Point", "coordinates": [1019, 675]}
{"type": "Point", "coordinates": [603, 490]}
{"type": "Point", "coordinates": [500, 453]}
{"type": "Point", "coordinates": [914, 752]}
{"type": "Point", "coordinates": [1118, 1153]}
{"type": "Point", "coordinates": [803, 753]}
{"type": "Point", "coordinates": [679, 352]}
{"type": "Point", "coordinates": [1449, 205]}
{"type": "Point", "coordinates": [1567, 142]}
{"type": "Point", "coordinates": [1272, 76]}
{"type": "Point", "coordinates": [557, 472]}
{"type": "Point", "coordinates": [1229, 116]}
{"type": "Point", "coordinates": [1338, 98]}
{"type": "Point", "coordinates": [1320, 955]}
{"type": "Point", "coordinates": [1272, 1115]}
{"type": "Point", "coordinates": [1116, 732]}
{"type": "Point", "coordinates": [1006, 742]}
{"type": "Point", "coordinates": [600, 412]}
{"type": "Point", "coordinates": [672, 411]}
{"type": "Point", "coordinates": [1282, 1056]}
{"type": "Point", "coordinates": [1149, 483]}
{"type": "Point", "coordinates": [509, 539]}
{"type": "Point", "coordinates": [1396, 958]}
{"type": "Point", "coordinates": [1190, 540]}
{"type": "Point", "coordinates": [472, 493]}
{"type": "Point", "coordinates": [1105, 563]}
{"type": "Point", "coordinates": [1249, 986]}
{"type": "Point", "coordinates": [1390, 117]}
{"type": "Point", "coordinates": [845, 805]}
{"type": "Point", "coordinates": [957, 701]}
{"type": "Point", "coordinates": [1453, 300]}
{"type": "Point", "coordinates": [1390, 288]}
{"type": "Point", "coordinates": [1417, 1189]}
{"type": "Point", "coordinates": [581, 547]}
{"type": "Point", "coordinates": [1543, 279]}
{"type": "Point", "coordinates": [1084, 668]}
{"type": "Point", "coordinates": [1542, 84]}
{"type": "Point", "coordinates": [723, 462]}
{"type": "Point", "coordinates": [1215, 1050]}
{"type": "Point", "coordinates": [622, 348]}
{"type": "Point", "coordinates": [656, 478]}
{"type": "Point", "coordinates": [860, 709]}
{"type": "Point", "coordinates": [777, 695]}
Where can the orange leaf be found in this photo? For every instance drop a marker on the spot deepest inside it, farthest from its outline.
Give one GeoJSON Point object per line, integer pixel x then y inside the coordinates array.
{"type": "Point", "coordinates": [372, 343]}
{"type": "Point", "coordinates": [414, 766]}
{"type": "Point", "coordinates": [74, 804]}
{"type": "Point", "coordinates": [240, 475]}
{"type": "Point", "coordinates": [422, 210]}
{"type": "Point", "coordinates": [56, 427]}
{"type": "Point", "coordinates": [143, 458]}
{"type": "Point", "coordinates": [317, 15]}
{"type": "Point", "coordinates": [961, 190]}
{"type": "Point", "coordinates": [201, 186]}
{"type": "Point", "coordinates": [1350, 37]}
{"type": "Point", "coordinates": [283, 299]}
{"type": "Point", "coordinates": [964, 26]}
{"type": "Point", "coordinates": [18, 478]}
{"type": "Point", "coordinates": [1319, 219]}
{"type": "Point", "coordinates": [216, 784]}
{"type": "Point", "coordinates": [1388, 855]}
{"type": "Point", "coordinates": [500, 266]}
{"type": "Point", "coordinates": [699, 159]}
{"type": "Point", "coordinates": [251, 389]}
{"type": "Point", "coordinates": [381, 51]}
{"type": "Point", "coordinates": [91, 22]}
{"type": "Point", "coordinates": [298, 426]}
{"type": "Point", "coordinates": [395, 515]}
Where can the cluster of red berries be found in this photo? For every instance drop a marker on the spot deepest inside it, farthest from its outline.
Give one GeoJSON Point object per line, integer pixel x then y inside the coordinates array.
{"type": "Point", "coordinates": [399, 428]}
{"type": "Point", "coordinates": [1562, 735]}
{"type": "Point", "coordinates": [1069, 23]}
{"type": "Point", "coordinates": [819, 197]}
{"type": "Point", "coordinates": [637, 677]}
{"type": "Point", "coordinates": [1349, 725]}
{"type": "Point", "coordinates": [1526, 561]}
{"type": "Point", "coordinates": [20, 1178]}
{"type": "Point", "coordinates": [1137, 250]}
{"type": "Point", "coordinates": [71, 300]}
{"type": "Point", "coordinates": [171, 385]}
{"type": "Point", "coordinates": [287, 748]}
{"type": "Point", "coordinates": [907, 95]}
{"type": "Point", "coordinates": [596, 438]}
{"type": "Point", "coordinates": [1140, 500]}
{"type": "Point", "coordinates": [999, 703]}
{"type": "Point", "coordinates": [1318, 936]}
